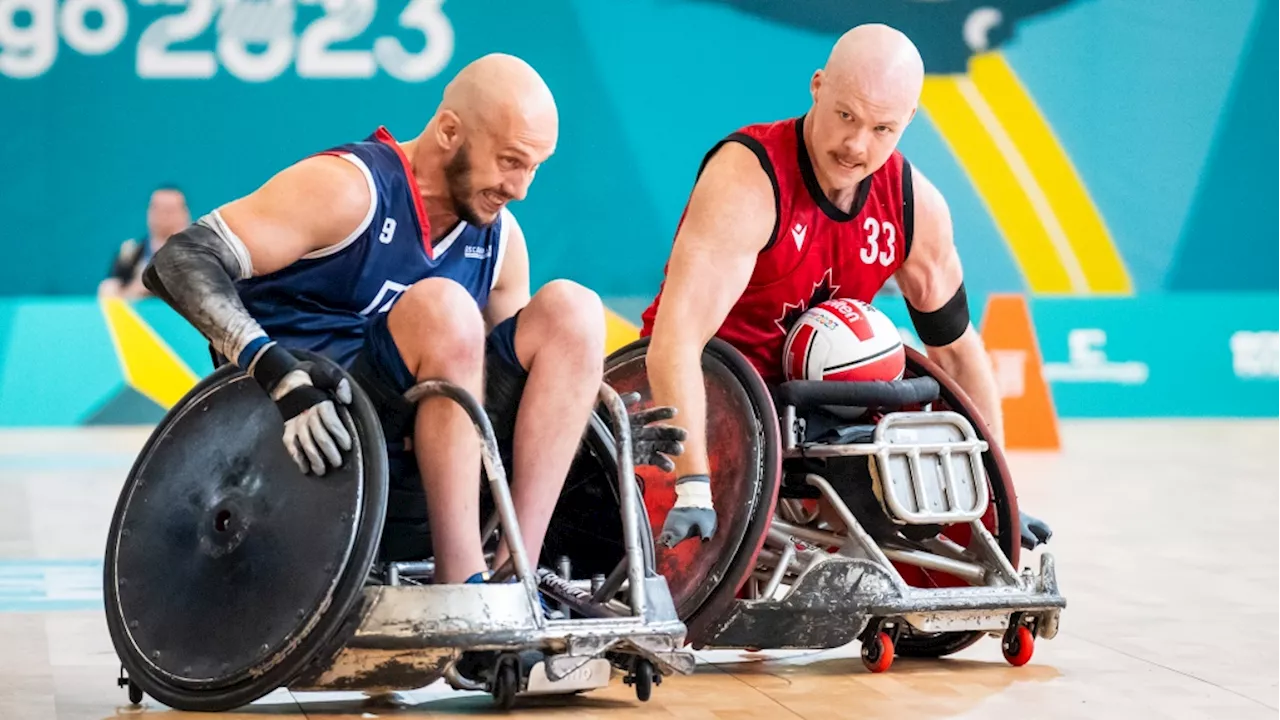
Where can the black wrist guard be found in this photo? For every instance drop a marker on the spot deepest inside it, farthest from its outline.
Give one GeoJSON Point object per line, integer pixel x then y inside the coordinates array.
{"type": "Point", "coordinates": [272, 365]}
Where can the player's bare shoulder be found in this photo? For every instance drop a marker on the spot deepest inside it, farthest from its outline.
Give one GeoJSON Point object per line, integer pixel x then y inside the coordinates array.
{"type": "Point", "coordinates": [932, 271]}
{"type": "Point", "coordinates": [313, 204]}
{"type": "Point", "coordinates": [932, 231]}
{"type": "Point", "coordinates": [328, 194]}
{"type": "Point", "coordinates": [733, 201]}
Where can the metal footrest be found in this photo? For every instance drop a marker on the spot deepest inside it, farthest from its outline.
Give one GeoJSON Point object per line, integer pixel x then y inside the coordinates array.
{"type": "Point", "coordinates": [832, 601]}
{"type": "Point", "coordinates": [408, 634]}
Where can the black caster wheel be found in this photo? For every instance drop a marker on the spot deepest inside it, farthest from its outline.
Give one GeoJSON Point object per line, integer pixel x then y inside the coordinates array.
{"type": "Point", "coordinates": [135, 692]}
{"type": "Point", "coordinates": [643, 678]}
{"type": "Point", "coordinates": [506, 681]}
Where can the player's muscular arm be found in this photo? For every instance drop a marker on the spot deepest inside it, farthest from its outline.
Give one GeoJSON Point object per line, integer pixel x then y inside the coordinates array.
{"type": "Point", "coordinates": [727, 223]}
{"type": "Point", "coordinates": [932, 283]}
{"type": "Point", "coordinates": [314, 204]}
{"type": "Point", "coordinates": [511, 291]}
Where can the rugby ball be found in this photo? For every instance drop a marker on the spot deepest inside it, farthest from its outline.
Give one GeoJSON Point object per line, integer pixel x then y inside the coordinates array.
{"type": "Point", "coordinates": [846, 340]}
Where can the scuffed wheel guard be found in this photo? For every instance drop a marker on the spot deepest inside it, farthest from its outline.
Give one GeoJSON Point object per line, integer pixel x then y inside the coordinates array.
{"type": "Point", "coordinates": [226, 569]}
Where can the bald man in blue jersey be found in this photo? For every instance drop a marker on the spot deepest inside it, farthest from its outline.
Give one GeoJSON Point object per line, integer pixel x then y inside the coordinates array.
{"type": "Point", "coordinates": [402, 262]}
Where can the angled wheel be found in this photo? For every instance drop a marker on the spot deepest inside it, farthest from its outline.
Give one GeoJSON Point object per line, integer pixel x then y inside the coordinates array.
{"type": "Point", "coordinates": [1001, 518]}
{"type": "Point", "coordinates": [587, 523]}
{"type": "Point", "coordinates": [227, 570]}
{"type": "Point", "coordinates": [746, 471]}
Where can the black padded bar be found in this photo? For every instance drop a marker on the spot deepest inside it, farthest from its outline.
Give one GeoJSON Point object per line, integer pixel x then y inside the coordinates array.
{"type": "Point", "coordinates": [806, 394]}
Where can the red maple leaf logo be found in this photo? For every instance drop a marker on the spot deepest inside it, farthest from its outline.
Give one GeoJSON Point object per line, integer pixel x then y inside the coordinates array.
{"type": "Point", "coordinates": [823, 290]}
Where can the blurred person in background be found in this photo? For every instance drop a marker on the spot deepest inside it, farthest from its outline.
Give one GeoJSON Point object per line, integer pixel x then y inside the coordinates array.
{"type": "Point", "coordinates": [167, 214]}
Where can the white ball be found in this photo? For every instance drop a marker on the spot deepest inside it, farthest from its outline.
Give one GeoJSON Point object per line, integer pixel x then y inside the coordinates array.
{"type": "Point", "coordinates": [843, 340]}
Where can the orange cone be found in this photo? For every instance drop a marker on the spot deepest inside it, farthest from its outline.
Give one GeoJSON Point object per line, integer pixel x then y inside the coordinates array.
{"type": "Point", "coordinates": [1030, 421]}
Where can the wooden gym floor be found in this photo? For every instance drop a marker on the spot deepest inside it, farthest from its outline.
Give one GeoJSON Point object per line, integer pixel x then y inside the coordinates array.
{"type": "Point", "coordinates": [1165, 536]}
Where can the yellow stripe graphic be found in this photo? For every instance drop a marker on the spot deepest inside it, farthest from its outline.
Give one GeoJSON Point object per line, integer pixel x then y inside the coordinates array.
{"type": "Point", "coordinates": [950, 102]}
{"type": "Point", "coordinates": [618, 331]}
{"type": "Point", "coordinates": [1075, 213]}
{"type": "Point", "coordinates": [149, 365]}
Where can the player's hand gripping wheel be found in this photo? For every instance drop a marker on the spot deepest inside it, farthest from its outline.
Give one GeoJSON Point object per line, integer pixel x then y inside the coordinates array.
{"type": "Point", "coordinates": [692, 515]}
{"type": "Point", "coordinates": [654, 443]}
{"type": "Point", "coordinates": [304, 392]}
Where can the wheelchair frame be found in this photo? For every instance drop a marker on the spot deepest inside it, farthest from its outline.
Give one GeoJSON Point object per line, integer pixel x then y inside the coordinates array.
{"type": "Point", "coordinates": [644, 638]}
{"type": "Point", "coordinates": [403, 635]}
{"type": "Point", "coordinates": [813, 588]}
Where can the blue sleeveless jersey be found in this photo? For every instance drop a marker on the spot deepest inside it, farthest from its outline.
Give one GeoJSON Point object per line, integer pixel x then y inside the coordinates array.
{"type": "Point", "coordinates": [324, 301]}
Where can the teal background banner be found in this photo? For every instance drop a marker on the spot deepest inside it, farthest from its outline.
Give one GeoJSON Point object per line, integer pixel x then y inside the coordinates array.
{"type": "Point", "coordinates": [1114, 161]}
{"type": "Point", "coordinates": [1166, 115]}
{"type": "Point", "coordinates": [65, 361]}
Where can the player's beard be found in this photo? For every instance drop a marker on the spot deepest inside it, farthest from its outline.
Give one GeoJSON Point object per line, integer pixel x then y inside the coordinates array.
{"type": "Point", "coordinates": [457, 173]}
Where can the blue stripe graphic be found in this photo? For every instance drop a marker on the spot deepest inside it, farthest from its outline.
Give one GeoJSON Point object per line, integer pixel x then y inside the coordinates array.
{"type": "Point", "coordinates": [28, 585]}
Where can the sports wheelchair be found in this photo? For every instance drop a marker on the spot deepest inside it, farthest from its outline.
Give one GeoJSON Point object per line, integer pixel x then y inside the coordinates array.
{"type": "Point", "coordinates": [229, 573]}
{"type": "Point", "coordinates": [899, 528]}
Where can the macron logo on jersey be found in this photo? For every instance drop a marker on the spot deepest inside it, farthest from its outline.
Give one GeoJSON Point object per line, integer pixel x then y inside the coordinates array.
{"type": "Point", "coordinates": [798, 233]}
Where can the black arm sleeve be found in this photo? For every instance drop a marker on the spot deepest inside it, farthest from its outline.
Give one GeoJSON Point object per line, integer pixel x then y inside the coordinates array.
{"type": "Point", "coordinates": [945, 325]}
{"type": "Point", "coordinates": [194, 274]}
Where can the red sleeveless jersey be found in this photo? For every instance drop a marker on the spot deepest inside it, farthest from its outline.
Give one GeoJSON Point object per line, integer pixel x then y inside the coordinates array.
{"type": "Point", "coordinates": [817, 252]}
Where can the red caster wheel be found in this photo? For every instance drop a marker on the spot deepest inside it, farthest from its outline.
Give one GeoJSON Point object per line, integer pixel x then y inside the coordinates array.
{"type": "Point", "coordinates": [877, 653]}
{"type": "Point", "coordinates": [1018, 646]}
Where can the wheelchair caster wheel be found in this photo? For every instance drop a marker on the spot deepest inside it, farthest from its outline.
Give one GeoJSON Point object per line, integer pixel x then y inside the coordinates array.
{"type": "Point", "coordinates": [506, 681]}
{"type": "Point", "coordinates": [877, 653]}
{"type": "Point", "coordinates": [1018, 645]}
{"type": "Point", "coordinates": [135, 692]}
{"type": "Point", "coordinates": [642, 677]}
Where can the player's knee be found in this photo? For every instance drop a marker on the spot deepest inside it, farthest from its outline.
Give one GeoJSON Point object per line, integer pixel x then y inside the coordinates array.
{"type": "Point", "coordinates": [438, 326]}
{"type": "Point", "coordinates": [576, 318]}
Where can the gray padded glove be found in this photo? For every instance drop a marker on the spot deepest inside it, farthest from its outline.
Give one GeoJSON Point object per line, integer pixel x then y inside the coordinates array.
{"type": "Point", "coordinates": [692, 515]}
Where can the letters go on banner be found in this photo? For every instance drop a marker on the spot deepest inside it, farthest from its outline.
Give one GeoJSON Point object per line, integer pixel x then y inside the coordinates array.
{"type": "Point", "coordinates": [251, 40]}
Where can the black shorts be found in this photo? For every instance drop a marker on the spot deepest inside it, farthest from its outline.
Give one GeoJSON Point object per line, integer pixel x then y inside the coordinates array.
{"type": "Point", "coordinates": [382, 375]}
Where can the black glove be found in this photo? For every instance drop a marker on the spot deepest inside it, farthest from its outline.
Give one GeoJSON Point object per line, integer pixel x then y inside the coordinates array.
{"type": "Point", "coordinates": [654, 444]}
{"type": "Point", "coordinates": [692, 515]}
{"type": "Point", "coordinates": [304, 393]}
